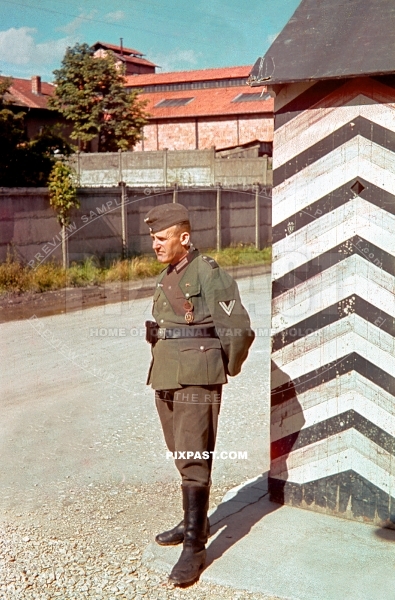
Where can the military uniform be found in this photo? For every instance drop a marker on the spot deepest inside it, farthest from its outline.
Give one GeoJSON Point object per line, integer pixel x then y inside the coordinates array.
{"type": "Point", "coordinates": [196, 285]}
{"type": "Point", "coordinates": [203, 336]}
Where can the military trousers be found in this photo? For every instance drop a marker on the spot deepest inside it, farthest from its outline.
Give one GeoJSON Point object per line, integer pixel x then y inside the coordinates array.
{"type": "Point", "coordinates": [189, 419]}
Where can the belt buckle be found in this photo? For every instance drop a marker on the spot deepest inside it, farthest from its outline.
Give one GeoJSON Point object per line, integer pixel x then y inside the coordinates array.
{"type": "Point", "coordinates": [162, 333]}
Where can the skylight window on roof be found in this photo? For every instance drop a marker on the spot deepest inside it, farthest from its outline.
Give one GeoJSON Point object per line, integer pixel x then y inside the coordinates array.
{"type": "Point", "coordinates": [173, 102]}
{"type": "Point", "coordinates": [251, 97]}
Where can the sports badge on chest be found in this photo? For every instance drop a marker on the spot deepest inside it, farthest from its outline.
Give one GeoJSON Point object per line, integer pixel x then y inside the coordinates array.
{"type": "Point", "coordinates": [188, 307]}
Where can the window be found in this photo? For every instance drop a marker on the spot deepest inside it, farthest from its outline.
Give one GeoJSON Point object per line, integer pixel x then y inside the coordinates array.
{"type": "Point", "coordinates": [193, 85]}
{"type": "Point", "coordinates": [173, 102]}
{"type": "Point", "coordinates": [251, 97]}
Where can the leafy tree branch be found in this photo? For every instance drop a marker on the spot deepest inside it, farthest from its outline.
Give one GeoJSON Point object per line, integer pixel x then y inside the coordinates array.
{"type": "Point", "coordinates": [90, 93]}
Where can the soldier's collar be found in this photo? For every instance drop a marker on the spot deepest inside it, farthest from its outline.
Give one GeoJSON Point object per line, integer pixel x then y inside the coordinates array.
{"type": "Point", "coordinates": [186, 260]}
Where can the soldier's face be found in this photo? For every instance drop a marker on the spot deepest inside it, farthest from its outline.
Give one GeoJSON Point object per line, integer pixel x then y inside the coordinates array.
{"type": "Point", "coordinates": [170, 246]}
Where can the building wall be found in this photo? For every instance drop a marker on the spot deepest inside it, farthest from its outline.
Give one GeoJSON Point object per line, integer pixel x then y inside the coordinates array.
{"type": "Point", "coordinates": [218, 132]}
{"type": "Point", "coordinates": [150, 142]}
{"type": "Point", "coordinates": [177, 136]}
{"type": "Point", "coordinates": [333, 308]}
{"type": "Point", "coordinates": [205, 132]}
{"type": "Point", "coordinates": [256, 128]}
{"type": "Point", "coordinates": [35, 119]}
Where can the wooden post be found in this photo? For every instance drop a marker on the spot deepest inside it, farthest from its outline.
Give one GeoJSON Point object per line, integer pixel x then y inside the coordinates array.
{"type": "Point", "coordinates": [219, 239]}
{"type": "Point", "coordinates": [257, 219]}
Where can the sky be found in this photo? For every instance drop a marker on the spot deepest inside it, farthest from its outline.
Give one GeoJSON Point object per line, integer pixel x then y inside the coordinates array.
{"type": "Point", "coordinates": [177, 35]}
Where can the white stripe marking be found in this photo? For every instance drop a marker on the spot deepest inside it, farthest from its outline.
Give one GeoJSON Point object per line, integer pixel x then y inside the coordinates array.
{"type": "Point", "coordinates": [356, 157]}
{"type": "Point", "coordinates": [228, 306]}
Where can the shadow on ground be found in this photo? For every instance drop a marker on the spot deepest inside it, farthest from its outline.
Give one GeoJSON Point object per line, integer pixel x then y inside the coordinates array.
{"type": "Point", "coordinates": [234, 518]}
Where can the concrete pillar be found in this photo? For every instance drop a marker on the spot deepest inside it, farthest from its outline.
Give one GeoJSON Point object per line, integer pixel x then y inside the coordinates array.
{"type": "Point", "coordinates": [333, 308]}
{"type": "Point", "coordinates": [257, 219]}
{"type": "Point", "coordinates": [219, 223]}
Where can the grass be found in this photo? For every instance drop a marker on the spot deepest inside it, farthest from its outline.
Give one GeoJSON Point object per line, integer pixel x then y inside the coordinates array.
{"type": "Point", "coordinates": [242, 254]}
{"type": "Point", "coordinates": [15, 277]}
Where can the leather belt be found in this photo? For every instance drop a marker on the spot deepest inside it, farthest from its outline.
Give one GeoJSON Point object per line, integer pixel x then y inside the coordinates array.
{"type": "Point", "coordinates": [179, 333]}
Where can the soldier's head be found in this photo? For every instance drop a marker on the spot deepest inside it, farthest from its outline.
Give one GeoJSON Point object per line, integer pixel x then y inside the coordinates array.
{"type": "Point", "coordinates": [170, 231]}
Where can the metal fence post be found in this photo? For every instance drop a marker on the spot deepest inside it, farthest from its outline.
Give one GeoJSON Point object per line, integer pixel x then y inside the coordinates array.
{"type": "Point", "coordinates": [219, 237]}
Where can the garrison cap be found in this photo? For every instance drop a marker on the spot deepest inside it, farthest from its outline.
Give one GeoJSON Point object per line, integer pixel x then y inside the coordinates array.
{"type": "Point", "coordinates": [166, 215]}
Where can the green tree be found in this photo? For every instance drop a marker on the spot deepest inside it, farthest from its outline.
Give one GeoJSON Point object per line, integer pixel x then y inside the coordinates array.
{"type": "Point", "coordinates": [63, 198]}
{"type": "Point", "coordinates": [25, 162]}
{"type": "Point", "coordinates": [90, 93]}
{"type": "Point", "coordinates": [37, 156]}
{"type": "Point", "coordinates": [12, 135]}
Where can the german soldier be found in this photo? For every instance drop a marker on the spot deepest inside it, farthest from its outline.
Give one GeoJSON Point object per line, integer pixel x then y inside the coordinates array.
{"type": "Point", "coordinates": [200, 336]}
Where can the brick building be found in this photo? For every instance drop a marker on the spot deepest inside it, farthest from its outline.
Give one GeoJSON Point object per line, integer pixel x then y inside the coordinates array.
{"type": "Point", "coordinates": [200, 109]}
{"type": "Point", "coordinates": [132, 61]}
{"type": "Point", "coordinates": [31, 96]}
{"type": "Point", "coordinates": [188, 109]}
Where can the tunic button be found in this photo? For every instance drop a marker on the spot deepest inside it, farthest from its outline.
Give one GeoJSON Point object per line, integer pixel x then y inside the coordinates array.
{"type": "Point", "coordinates": [164, 304]}
{"type": "Point", "coordinates": [202, 348]}
{"type": "Point", "coordinates": [161, 321]}
{"type": "Point", "coordinates": [186, 295]}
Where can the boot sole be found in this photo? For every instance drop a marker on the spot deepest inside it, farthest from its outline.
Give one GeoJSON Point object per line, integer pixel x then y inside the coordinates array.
{"type": "Point", "coordinates": [187, 581]}
{"type": "Point", "coordinates": [169, 543]}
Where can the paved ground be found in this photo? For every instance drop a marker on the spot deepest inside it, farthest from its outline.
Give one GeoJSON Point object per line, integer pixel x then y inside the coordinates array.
{"type": "Point", "coordinates": [289, 553]}
{"type": "Point", "coordinates": [76, 408]}
{"type": "Point", "coordinates": [84, 477]}
{"type": "Point", "coordinates": [86, 484]}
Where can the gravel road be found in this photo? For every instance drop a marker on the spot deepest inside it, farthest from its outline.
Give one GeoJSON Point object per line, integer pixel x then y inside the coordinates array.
{"type": "Point", "coordinates": [85, 479]}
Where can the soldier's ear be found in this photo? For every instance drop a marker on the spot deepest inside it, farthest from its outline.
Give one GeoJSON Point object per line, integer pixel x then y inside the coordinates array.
{"type": "Point", "coordinates": [184, 238]}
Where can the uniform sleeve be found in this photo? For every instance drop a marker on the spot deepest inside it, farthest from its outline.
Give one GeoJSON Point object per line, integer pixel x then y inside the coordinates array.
{"type": "Point", "coordinates": [230, 318]}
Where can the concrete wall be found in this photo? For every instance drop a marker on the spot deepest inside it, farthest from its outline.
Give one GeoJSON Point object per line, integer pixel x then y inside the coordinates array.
{"type": "Point", "coordinates": [28, 226]}
{"type": "Point", "coordinates": [162, 168]}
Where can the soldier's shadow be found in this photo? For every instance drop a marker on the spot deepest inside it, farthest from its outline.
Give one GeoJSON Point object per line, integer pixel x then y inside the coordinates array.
{"type": "Point", "coordinates": [250, 503]}
{"type": "Point", "coordinates": [237, 516]}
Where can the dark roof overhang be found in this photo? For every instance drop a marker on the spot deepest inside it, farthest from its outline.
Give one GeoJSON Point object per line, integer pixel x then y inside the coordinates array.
{"type": "Point", "coordinates": [331, 39]}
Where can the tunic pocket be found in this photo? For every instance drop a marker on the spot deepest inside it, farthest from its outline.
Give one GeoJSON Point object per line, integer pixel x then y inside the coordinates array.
{"type": "Point", "coordinates": [200, 362]}
{"type": "Point", "coordinates": [192, 294]}
{"type": "Point", "coordinates": [186, 290]}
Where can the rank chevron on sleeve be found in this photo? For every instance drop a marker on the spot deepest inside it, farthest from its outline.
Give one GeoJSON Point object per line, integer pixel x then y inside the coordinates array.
{"type": "Point", "coordinates": [228, 306]}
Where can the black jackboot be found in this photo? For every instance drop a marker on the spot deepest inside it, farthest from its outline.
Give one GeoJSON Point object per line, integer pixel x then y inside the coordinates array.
{"type": "Point", "coordinates": [175, 536]}
{"type": "Point", "coordinates": [193, 556]}
{"type": "Point", "coordinates": [172, 537]}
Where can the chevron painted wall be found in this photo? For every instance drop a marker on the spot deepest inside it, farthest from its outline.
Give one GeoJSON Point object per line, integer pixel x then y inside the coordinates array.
{"type": "Point", "coordinates": [333, 298]}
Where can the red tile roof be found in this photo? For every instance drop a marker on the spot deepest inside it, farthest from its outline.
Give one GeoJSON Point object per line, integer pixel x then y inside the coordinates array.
{"type": "Point", "coordinates": [206, 102]}
{"type": "Point", "coordinates": [22, 95]}
{"type": "Point", "coordinates": [118, 48]}
{"type": "Point", "coordinates": [136, 60]}
{"type": "Point", "coordinates": [183, 76]}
